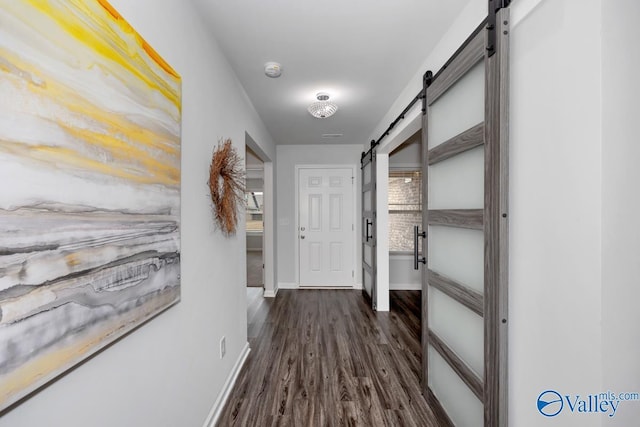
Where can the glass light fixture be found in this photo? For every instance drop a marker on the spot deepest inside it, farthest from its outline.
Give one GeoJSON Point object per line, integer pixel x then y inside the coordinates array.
{"type": "Point", "coordinates": [323, 108]}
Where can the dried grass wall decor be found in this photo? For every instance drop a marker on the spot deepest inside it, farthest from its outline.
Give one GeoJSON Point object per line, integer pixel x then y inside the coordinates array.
{"type": "Point", "coordinates": [226, 184]}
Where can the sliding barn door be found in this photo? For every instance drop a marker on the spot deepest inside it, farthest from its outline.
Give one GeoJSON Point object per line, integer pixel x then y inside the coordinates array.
{"type": "Point", "coordinates": [465, 218]}
{"type": "Point", "coordinates": [369, 227]}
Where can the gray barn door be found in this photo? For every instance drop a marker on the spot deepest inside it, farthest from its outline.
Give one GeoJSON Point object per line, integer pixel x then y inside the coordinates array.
{"type": "Point", "coordinates": [464, 281]}
{"type": "Point", "coordinates": [368, 168]}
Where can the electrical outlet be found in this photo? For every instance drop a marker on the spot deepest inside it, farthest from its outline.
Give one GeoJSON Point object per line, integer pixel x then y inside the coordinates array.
{"type": "Point", "coordinates": [223, 347]}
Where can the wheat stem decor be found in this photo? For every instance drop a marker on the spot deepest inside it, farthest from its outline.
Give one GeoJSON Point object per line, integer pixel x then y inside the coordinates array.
{"type": "Point", "coordinates": [226, 183]}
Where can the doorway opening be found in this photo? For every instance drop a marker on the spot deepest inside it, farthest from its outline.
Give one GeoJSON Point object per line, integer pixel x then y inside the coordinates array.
{"type": "Point", "coordinates": [259, 234]}
{"type": "Point", "coordinates": [404, 193]}
{"type": "Point", "coordinates": [254, 219]}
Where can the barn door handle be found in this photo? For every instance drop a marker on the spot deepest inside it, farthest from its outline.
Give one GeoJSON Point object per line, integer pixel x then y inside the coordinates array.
{"type": "Point", "coordinates": [416, 235]}
{"type": "Point", "coordinates": [369, 224]}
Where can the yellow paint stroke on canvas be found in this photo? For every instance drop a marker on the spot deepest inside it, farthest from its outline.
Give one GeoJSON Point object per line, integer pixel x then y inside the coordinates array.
{"type": "Point", "coordinates": [71, 260]}
{"type": "Point", "coordinates": [104, 41]}
{"type": "Point", "coordinates": [116, 124]}
{"type": "Point", "coordinates": [150, 51]}
{"type": "Point", "coordinates": [124, 151]}
{"type": "Point", "coordinates": [158, 153]}
{"type": "Point", "coordinates": [54, 155]}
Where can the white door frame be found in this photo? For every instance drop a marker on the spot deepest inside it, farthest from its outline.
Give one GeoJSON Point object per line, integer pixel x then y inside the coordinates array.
{"type": "Point", "coordinates": [353, 169]}
{"type": "Point", "coordinates": [268, 237]}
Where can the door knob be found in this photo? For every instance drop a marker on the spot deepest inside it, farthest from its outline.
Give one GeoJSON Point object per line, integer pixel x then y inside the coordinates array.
{"type": "Point", "coordinates": [302, 237]}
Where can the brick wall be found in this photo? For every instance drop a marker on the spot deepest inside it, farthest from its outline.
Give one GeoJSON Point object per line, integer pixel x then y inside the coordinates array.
{"type": "Point", "coordinates": [405, 194]}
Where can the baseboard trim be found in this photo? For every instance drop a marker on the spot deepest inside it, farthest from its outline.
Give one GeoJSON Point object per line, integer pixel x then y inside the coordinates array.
{"type": "Point", "coordinates": [287, 285]}
{"type": "Point", "coordinates": [218, 406]}
{"type": "Point", "coordinates": [405, 286]}
{"type": "Point", "coordinates": [270, 293]}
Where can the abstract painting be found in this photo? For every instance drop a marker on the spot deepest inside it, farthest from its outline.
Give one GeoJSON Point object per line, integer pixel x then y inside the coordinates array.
{"type": "Point", "coordinates": [90, 130]}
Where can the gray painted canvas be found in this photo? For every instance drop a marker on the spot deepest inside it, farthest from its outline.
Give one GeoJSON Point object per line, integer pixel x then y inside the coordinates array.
{"type": "Point", "coordinates": [89, 186]}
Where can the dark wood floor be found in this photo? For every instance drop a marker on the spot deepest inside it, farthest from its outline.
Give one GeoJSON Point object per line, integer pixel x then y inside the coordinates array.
{"type": "Point", "coordinates": [323, 358]}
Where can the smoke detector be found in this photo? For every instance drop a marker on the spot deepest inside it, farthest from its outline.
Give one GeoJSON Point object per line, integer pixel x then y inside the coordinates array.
{"type": "Point", "coordinates": [272, 69]}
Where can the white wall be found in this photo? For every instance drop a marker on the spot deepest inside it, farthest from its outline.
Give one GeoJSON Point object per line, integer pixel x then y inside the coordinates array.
{"type": "Point", "coordinates": [255, 241]}
{"type": "Point", "coordinates": [168, 372]}
{"type": "Point", "coordinates": [409, 154]}
{"type": "Point", "coordinates": [621, 204]}
{"type": "Point", "coordinates": [382, 232]}
{"type": "Point", "coordinates": [555, 198]}
{"type": "Point", "coordinates": [254, 184]}
{"type": "Point", "coordinates": [288, 157]}
{"type": "Point", "coordinates": [402, 276]}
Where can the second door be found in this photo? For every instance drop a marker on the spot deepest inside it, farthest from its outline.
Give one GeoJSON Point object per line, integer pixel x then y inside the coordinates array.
{"type": "Point", "coordinates": [326, 226]}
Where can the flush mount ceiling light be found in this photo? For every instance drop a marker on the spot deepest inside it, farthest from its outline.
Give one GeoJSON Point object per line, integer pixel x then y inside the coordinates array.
{"type": "Point", "coordinates": [323, 108]}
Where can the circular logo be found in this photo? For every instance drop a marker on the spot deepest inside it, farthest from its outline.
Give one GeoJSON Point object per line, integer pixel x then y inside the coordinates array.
{"type": "Point", "coordinates": [550, 403]}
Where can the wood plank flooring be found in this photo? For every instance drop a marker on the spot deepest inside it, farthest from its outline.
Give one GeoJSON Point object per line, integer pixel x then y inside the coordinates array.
{"type": "Point", "coordinates": [324, 358]}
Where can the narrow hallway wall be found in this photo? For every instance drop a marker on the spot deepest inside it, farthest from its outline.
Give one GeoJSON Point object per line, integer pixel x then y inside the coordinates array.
{"type": "Point", "coordinates": [620, 205]}
{"type": "Point", "coordinates": [168, 372]}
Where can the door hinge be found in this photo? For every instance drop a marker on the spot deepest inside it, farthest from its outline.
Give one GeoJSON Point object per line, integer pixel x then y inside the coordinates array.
{"type": "Point", "coordinates": [494, 8]}
{"type": "Point", "coordinates": [353, 273]}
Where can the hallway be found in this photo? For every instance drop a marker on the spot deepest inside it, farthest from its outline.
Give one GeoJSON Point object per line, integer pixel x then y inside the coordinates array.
{"type": "Point", "coordinates": [322, 357]}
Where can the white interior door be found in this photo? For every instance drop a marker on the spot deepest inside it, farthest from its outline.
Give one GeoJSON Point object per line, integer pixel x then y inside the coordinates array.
{"type": "Point", "coordinates": [325, 227]}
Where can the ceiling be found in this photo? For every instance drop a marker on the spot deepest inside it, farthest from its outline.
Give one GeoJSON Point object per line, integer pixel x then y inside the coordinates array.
{"type": "Point", "coordinates": [362, 52]}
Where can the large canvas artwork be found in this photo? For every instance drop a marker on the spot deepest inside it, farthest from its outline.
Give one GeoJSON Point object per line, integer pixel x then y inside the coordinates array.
{"type": "Point", "coordinates": [89, 186]}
